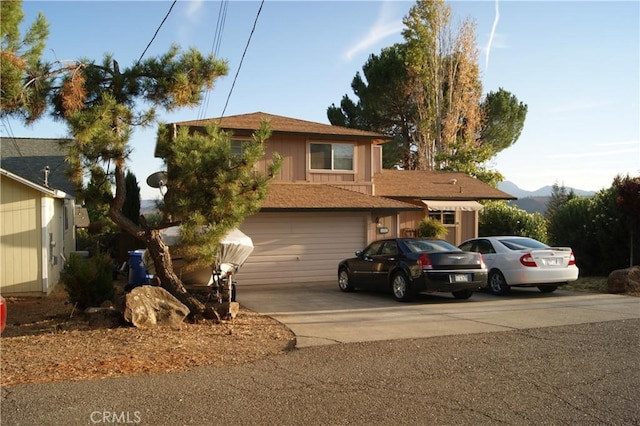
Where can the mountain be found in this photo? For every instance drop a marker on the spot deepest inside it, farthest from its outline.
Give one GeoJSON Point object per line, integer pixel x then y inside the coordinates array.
{"type": "Point", "coordinates": [148, 206]}
{"type": "Point", "coordinates": [535, 201]}
{"type": "Point", "coordinates": [545, 191]}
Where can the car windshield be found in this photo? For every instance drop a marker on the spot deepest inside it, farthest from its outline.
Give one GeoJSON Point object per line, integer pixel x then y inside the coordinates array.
{"type": "Point", "coordinates": [522, 243]}
{"type": "Point", "coordinates": [420, 246]}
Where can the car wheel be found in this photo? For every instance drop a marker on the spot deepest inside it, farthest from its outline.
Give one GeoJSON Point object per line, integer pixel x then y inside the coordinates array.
{"type": "Point", "coordinates": [547, 288]}
{"type": "Point", "coordinates": [401, 288]}
{"type": "Point", "coordinates": [343, 281]}
{"type": "Point", "coordinates": [462, 294]}
{"type": "Point", "coordinates": [497, 284]}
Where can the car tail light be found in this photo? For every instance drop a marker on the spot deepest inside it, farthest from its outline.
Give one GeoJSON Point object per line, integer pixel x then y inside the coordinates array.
{"type": "Point", "coordinates": [527, 260]}
{"type": "Point", "coordinates": [572, 259]}
{"type": "Point", "coordinates": [482, 264]}
{"type": "Point", "coordinates": [425, 261]}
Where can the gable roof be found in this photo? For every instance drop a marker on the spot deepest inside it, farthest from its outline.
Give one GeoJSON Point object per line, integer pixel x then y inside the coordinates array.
{"type": "Point", "coordinates": [434, 185]}
{"type": "Point", "coordinates": [280, 124]}
{"type": "Point", "coordinates": [28, 157]}
{"type": "Point", "coordinates": [311, 196]}
{"type": "Point", "coordinates": [54, 193]}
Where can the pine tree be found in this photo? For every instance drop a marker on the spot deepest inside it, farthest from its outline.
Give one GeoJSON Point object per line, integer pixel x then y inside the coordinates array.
{"type": "Point", "coordinates": [131, 205]}
{"type": "Point", "coordinates": [20, 60]}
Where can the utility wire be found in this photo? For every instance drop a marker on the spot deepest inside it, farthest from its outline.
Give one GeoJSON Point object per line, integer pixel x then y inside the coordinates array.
{"type": "Point", "coordinates": [215, 49]}
{"type": "Point", "coordinates": [255, 22]}
{"type": "Point", "coordinates": [157, 30]}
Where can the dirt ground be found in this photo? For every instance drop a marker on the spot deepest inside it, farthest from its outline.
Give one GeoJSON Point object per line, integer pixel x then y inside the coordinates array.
{"type": "Point", "coordinates": [47, 340]}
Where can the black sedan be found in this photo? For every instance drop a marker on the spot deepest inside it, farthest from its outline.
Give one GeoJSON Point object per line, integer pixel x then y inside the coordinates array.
{"type": "Point", "coordinates": [408, 266]}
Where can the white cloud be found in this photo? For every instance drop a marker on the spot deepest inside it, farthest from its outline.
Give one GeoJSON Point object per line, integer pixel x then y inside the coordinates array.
{"type": "Point", "coordinates": [487, 52]}
{"type": "Point", "coordinates": [193, 9]}
{"type": "Point", "coordinates": [384, 27]}
{"type": "Point", "coordinates": [635, 143]}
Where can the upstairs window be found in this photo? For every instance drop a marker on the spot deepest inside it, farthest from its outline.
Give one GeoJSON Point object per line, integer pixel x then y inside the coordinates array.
{"type": "Point", "coordinates": [238, 147]}
{"type": "Point", "coordinates": [331, 156]}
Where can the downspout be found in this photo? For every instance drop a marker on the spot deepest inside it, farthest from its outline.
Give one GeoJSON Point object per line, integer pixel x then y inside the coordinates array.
{"type": "Point", "coordinates": [44, 210]}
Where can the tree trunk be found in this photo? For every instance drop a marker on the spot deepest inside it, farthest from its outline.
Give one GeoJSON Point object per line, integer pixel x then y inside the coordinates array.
{"type": "Point", "coordinates": [159, 252]}
{"type": "Point", "coordinates": [157, 248]}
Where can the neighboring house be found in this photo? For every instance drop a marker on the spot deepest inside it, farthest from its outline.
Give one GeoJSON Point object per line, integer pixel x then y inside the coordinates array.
{"type": "Point", "coordinates": [37, 215]}
{"type": "Point", "coordinates": [331, 197]}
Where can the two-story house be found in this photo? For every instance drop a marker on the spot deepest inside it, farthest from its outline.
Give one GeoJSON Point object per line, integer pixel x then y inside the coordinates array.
{"type": "Point", "coordinates": [332, 197]}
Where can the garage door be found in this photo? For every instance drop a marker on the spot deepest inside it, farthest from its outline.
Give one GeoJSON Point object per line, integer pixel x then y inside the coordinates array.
{"type": "Point", "coordinates": [302, 247]}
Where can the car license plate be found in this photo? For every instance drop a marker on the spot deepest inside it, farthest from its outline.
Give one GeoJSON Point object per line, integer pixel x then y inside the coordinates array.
{"type": "Point", "coordinates": [461, 278]}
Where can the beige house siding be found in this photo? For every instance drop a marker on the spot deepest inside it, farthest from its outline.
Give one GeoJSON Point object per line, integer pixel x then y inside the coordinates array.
{"type": "Point", "coordinates": [465, 227]}
{"type": "Point", "coordinates": [37, 236]}
{"type": "Point", "coordinates": [294, 151]}
{"type": "Point", "coordinates": [21, 259]}
{"type": "Point", "coordinates": [469, 225]}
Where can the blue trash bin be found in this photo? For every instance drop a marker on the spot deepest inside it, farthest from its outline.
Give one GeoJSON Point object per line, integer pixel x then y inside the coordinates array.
{"type": "Point", "coordinates": [137, 271]}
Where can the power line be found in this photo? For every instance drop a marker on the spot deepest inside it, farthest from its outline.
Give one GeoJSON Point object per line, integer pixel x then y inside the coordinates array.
{"type": "Point", "coordinates": [157, 30]}
{"type": "Point", "coordinates": [215, 48]}
{"type": "Point", "coordinates": [255, 22]}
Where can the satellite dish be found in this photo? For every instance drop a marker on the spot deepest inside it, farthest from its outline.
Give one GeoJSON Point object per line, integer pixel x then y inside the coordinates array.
{"type": "Point", "coordinates": [157, 179]}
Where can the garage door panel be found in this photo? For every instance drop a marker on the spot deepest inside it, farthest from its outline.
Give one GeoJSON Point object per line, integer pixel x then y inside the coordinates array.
{"type": "Point", "coordinates": [300, 247]}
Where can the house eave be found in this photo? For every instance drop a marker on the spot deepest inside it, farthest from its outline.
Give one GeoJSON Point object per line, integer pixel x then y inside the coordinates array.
{"type": "Point", "coordinates": [55, 193]}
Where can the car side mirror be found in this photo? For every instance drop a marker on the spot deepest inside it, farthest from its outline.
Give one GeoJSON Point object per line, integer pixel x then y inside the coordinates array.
{"type": "Point", "coordinates": [358, 253]}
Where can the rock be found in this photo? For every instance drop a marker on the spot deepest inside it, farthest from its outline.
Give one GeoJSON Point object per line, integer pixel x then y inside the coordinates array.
{"type": "Point", "coordinates": [624, 280]}
{"type": "Point", "coordinates": [150, 306]}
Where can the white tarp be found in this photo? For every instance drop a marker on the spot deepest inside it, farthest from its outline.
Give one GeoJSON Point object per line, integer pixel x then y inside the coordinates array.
{"type": "Point", "coordinates": [234, 248]}
{"type": "Point", "coordinates": [233, 251]}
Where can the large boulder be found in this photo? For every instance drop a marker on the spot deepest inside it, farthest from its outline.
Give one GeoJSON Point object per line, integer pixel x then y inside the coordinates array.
{"type": "Point", "coordinates": [624, 280]}
{"type": "Point", "coordinates": [150, 306]}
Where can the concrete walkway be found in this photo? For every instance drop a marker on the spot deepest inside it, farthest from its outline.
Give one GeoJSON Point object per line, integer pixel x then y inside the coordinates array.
{"type": "Point", "coordinates": [319, 314]}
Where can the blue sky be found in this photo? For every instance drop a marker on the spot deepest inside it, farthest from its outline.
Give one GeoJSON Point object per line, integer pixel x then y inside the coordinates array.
{"type": "Point", "coordinates": [575, 64]}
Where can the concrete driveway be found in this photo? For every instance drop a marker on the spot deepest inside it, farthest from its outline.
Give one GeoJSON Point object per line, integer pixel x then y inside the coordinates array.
{"type": "Point", "coordinates": [320, 314]}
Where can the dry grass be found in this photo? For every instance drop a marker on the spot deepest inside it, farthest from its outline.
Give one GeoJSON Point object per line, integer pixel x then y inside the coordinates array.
{"type": "Point", "coordinates": [588, 284]}
{"type": "Point", "coordinates": [47, 341]}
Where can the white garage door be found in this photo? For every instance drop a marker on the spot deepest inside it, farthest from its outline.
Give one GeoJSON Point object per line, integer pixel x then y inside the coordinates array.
{"type": "Point", "coordinates": [301, 247]}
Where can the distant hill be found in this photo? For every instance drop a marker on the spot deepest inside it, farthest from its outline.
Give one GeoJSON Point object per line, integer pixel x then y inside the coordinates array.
{"type": "Point", "coordinates": [148, 206]}
{"type": "Point", "coordinates": [535, 201]}
{"type": "Point", "coordinates": [545, 191]}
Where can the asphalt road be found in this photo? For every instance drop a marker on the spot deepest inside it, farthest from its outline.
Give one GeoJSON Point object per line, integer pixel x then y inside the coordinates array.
{"type": "Point", "coordinates": [579, 374]}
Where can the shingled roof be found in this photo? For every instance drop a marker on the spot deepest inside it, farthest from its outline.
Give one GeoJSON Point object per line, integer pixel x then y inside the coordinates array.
{"type": "Point", "coordinates": [310, 196]}
{"type": "Point", "coordinates": [280, 124]}
{"type": "Point", "coordinates": [434, 185]}
{"type": "Point", "coordinates": [28, 157]}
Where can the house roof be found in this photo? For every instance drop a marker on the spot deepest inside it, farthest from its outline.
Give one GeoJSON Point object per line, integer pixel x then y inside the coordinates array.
{"type": "Point", "coordinates": [280, 124]}
{"type": "Point", "coordinates": [55, 193]}
{"type": "Point", "coordinates": [309, 196]}
{"type": "Point", "coordinates": [28, 157]}
{"type": "Point", "coordinates": [434, 185]}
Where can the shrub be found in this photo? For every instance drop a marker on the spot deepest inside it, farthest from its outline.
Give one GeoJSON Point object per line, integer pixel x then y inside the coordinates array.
{"type": "Point", "coordinates": [431, 228]}
{"type": "Point", "coordinates": [88, 282]}
{"type": "Point", "coordinates": [498, 218]}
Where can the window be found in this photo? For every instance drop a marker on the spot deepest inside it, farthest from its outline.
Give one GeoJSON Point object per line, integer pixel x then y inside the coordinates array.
{"type": "Point", "coordinates": [447, 217]}
{"type": "Point", "coordinates": [390, 248]}
{"type": "Point", "coordinates": [238, 147]}
{"type": "Point", "coordinates": [331, 156]}
{"type": "Point", "coordinates": [372, 250]}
